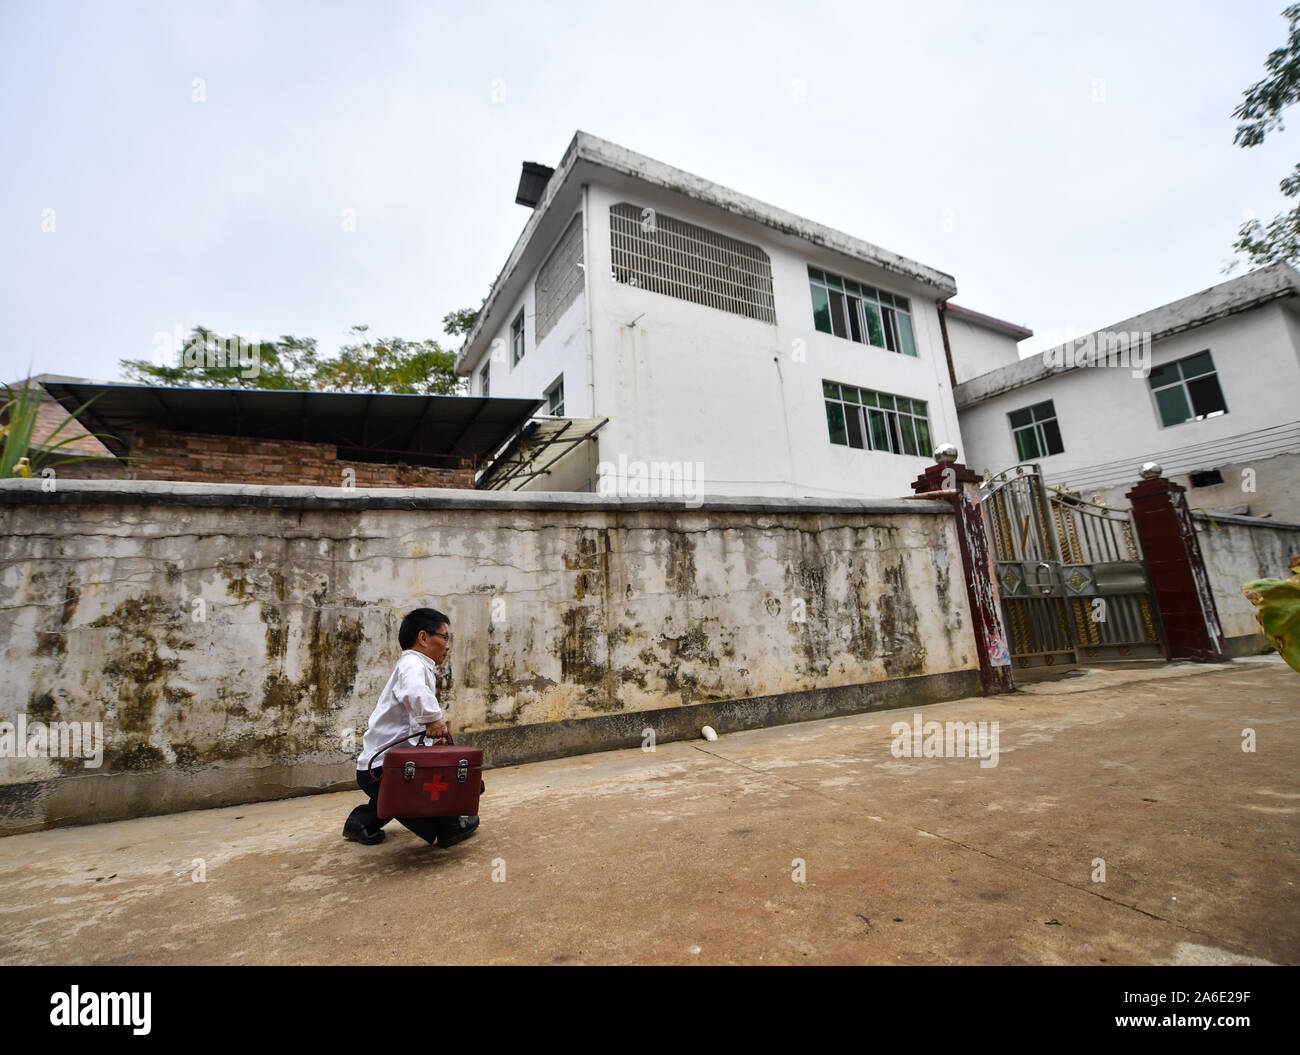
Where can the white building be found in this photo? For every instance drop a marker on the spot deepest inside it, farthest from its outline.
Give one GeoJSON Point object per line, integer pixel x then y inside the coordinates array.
{"type": "Point", "coordinates": [1208, 386]}
{"type": "Point", "coordinates": [757, 352]}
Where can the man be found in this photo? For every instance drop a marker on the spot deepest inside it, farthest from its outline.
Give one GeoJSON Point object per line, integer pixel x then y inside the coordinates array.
{"type": "Point", "coordinates": [409, 701]}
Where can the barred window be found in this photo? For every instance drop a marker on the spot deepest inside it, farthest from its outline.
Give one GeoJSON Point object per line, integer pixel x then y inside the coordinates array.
{"type": "Point", "coordinates": [861, 313]}
{"type": "Point", "coordinates": [876, 421]}
{"type": "Point", "coordinates": [484, 379]}
{"type": "Point", "coordinates": [559, 280]}
{"type": "Point", "coordinates": [665, 255]}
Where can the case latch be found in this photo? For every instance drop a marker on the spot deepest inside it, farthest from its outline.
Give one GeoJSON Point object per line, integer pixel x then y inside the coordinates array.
{"type": "Point", "coordinates": [408, 772]}
{"type": "Point", "coordinates": [462, 771]}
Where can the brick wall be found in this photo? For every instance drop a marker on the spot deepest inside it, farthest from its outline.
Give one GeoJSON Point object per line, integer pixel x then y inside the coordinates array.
{"type": "Point", "coordinates": [194, 458]}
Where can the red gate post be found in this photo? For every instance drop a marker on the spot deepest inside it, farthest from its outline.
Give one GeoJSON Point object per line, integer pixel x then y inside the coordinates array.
{"type": "Point", "coordinates": [1173, 555]}
{"type": "Point", "coordinates": [952, 480]}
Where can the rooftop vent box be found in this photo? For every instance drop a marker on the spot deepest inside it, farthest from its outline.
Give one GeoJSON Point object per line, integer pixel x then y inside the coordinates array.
{"type": "Point", "coordinates": [532, 184]}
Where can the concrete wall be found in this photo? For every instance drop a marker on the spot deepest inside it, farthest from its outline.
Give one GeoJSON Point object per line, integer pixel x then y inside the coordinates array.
{"type": "Point", "coordinates": [1237, 550]}
{"type": "Point", "coordinates": [233, 640]}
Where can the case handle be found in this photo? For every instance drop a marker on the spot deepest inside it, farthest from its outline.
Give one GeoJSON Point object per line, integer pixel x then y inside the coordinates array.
{"type": "Point", "coordinates": [370, 771]}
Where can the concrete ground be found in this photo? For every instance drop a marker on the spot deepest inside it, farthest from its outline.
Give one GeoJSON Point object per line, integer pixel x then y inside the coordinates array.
{"type": "Point", "coordinates": [693, 853]}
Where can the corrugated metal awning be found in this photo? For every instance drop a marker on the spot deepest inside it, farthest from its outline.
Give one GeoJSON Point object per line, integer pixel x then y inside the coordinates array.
{"type": "Point", "coordinates": [418, 429]}
{"type": "Point", "coordinates": [539, 445]}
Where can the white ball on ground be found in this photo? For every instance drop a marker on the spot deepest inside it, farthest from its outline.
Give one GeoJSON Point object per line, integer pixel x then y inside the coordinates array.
{"type": "Point", "coordinates": [708, 733]}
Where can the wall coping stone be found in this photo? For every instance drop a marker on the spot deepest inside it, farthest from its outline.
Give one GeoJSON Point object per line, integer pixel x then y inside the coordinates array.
{"type": "Point", "coordinates": [174, 493]}
{"type": "Point", "coordinates": [1235, 518]}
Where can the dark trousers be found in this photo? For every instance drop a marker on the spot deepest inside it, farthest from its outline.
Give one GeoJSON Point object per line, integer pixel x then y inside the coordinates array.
{"type": "Point", "coordinates": [367, 816]}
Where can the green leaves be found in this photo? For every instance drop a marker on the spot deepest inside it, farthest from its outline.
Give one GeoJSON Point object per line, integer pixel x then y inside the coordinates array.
{"type": "Point", "coordinates": [390, 364]}
{"type": "Point", "coordinates": [17, 455]}
{"type": "Point", "coordinates": [1261, 110]}
{"type": "Point", "coordinates": [1278, 601]}
{"type": "Point", "coordinates": [1265, 100]}
{"type": "Point", "coordinates": [459, 323]}
{"type": "Point", "coordinates": [387, 364]}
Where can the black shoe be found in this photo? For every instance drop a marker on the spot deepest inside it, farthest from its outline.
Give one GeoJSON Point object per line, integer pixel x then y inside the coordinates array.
{"type": "Point", "coordinates": [458, 830]}
{"type": "Point", "coordinates": [358, 834]}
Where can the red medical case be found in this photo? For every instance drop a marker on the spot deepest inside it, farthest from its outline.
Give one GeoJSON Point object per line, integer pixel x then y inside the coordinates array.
{"type": "Point", "coordinates": [439, 781]}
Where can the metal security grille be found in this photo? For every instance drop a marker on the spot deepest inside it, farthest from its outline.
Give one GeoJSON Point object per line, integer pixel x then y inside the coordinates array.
{"type": "Point", "coordinates": [560, 279]}
{"type": "Point", "coordinates": [669, 256]}
{"type": "Point", "coordinates": [1071, 576]}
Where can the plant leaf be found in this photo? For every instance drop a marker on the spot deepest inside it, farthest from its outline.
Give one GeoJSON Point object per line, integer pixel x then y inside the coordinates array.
{"type": "Point", "coordinates": [1278, 604]}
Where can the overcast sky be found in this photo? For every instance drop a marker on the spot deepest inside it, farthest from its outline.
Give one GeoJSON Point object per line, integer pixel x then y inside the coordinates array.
{"type": "Point", "coordinates": [1069, 167]}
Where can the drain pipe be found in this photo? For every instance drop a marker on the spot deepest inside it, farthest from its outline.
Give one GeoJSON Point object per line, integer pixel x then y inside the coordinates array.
{"type": "Point", "coordinates": [947, 348]}
{"type": "Point", "coordinates": [589, 283]}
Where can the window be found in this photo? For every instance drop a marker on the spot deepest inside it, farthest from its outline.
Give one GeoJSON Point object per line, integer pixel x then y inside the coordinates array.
{"type": "Point", "coordinates": [559, 280]}
{"type": "Point", "coordinates": [517, 339]}
{"type": "Point", "coordinates": [861, 313]}
{"type": "Point", "coordinates": [1187, 390]}
{"type": "Point", "coordinates": [1208, 478]}
{"type": "Point", "coordinates": [1036, 432]}
{"type": "Point", "coordinates": [664, 255]}
{"type": "Point", "coordinates": [876, 421]}
{"type": "Point", "coordinates": [483, 378]}
{"type": "Point", "coordinates": [555, 398]}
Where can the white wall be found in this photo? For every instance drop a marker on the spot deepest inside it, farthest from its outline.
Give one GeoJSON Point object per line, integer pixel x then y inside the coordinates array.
{"type": "Point", "coordinates": [1109, 421]}
{"type": "Point", "coordinates": [976, 349]}
{"type": "Point", "coordinates": [563, 351]}
{"type": "Point", "coordinates": [685, 382]}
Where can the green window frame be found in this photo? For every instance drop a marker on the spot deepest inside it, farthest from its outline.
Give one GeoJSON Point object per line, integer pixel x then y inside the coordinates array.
{"type": "Point", "coordinates": [517, 339]}
{"type": "Point", "coordinates": [1187, 389]}
{"type": "Point", "coordinates": [846, 308]}
{"type": "Point", "coordinates": [878, 421]}
{"type": "Point", "coordinates": [1036, 431]}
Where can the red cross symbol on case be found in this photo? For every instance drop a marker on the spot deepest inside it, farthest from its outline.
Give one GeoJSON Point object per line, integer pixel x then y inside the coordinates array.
{"type": "Point", "coordinates": [436, 786]}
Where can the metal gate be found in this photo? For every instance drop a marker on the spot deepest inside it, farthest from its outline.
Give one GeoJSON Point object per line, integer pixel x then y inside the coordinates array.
{"type": "Point", "coordinates": [1073, 584]}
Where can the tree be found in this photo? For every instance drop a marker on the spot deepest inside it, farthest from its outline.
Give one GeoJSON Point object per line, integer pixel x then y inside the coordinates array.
{"type": "Point", "coordinates": [216, 361]}
{"type": "Point", "coordinates": [1261, 111]}
{"type": "Point", "coordinates": [459, 323]}
{"type": "Point", "coordinates": [364, 364]}
{"type": "Point", "coordinates": [390, 364]}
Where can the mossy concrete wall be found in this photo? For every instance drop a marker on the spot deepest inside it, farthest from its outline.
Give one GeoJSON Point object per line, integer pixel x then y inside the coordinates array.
{"type": "Point", "coordinates": [1236, 550]}
{"type": "Point", "coordinates": [232, 640]}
